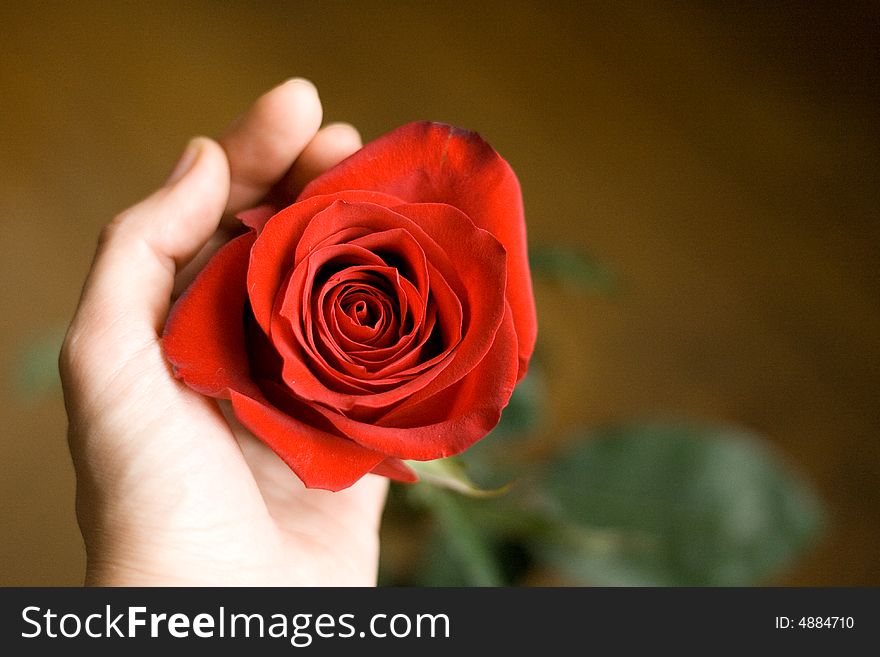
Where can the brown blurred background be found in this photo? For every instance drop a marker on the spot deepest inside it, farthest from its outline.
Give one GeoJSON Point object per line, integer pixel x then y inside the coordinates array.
{"type": "Point", "coordinates": [723, 161]}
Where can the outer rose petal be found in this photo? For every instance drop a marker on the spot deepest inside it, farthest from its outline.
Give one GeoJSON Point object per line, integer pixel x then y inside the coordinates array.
{"type": "Point", "coordinates": [433, 162]}
{"type": "Point", "coordinates": [319, 459]}
{"type": "Point", "coordinates": [396, 469]}
{"type": "Point", "coordinates": [256, 218]}
{"type": "Point", "coordinates": [204, 335]}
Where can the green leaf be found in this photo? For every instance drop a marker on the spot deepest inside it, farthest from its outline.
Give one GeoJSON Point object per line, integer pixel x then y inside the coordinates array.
{"type": "Point", "coordinates": [463, 553]}
{"type": "Point", "coordinates": [573, 268]}
{"type": "Point", "coordinates": [440, 565]}
{"type": "Point", "coordinates": [450, 473]}
{"type": "Point", "coordinates": [672, 503]}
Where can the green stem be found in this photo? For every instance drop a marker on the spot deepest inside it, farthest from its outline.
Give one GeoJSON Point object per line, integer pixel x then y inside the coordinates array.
{"type": "Point", "coordinates": [466, 540]}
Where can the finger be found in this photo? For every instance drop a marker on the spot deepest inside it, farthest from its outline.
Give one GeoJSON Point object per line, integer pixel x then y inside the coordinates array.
{"type": "Point", "coordinates": [329, 147]}
{"type": "Point", "coordinates": [263, 143]}
{"type": "Point", "coordinates": [128, 290]}
{"type": "Point", "coordinates": [186, 275]}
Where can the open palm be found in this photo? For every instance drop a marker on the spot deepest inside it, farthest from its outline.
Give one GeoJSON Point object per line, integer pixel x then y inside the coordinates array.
{"type": "Point", "coordinates": [170, 489]}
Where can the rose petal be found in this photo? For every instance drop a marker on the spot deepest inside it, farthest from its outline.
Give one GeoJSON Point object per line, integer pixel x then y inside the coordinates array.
{"type": "Point", "coordinates": [204, 335]}
{"type": "Point", "coordinates": [342, 329]}
{"type": "Point", "coordinates": [396, 469]}
{"type": "Point", "coordinates": [434, 162]}
{"type": "Point", "coordinates": [272, 255]}
{"type": "Point", "coordinates": [319, 459]}
{"type": "Point", "coordinates": [449, 422]}
{"type": "Point", "coordinates": [479, 258]}
{"type": "Point", "coordinates": [256, 218]}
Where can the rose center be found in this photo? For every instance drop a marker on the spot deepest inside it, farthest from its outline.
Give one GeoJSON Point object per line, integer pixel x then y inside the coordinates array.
{"type": "Point", "coordinates": [364, 312]}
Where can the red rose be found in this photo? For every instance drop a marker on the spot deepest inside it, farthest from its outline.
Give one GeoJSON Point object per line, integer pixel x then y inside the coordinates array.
{"type": "Point", "coordinates": [387, 314]}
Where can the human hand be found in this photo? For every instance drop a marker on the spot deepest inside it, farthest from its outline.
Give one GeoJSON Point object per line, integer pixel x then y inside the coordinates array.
{"type": "Point", "coordinates": [170, 491]}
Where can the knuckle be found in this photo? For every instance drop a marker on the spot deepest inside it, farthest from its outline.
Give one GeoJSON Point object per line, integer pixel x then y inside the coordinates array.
{"type": "Point", "coordinates": [123, 224]}
{"type": "Point", "coordinates": [68, 355]}
{"type": "Point", "coordinates": [110, 230]}
{"type": "Point", "coordinates": [78, 351]}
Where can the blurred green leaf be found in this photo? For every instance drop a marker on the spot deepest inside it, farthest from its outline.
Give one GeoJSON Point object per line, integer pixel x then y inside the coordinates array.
{"type": "Point", "coordinates": [462, 553]}
{"type": "Point", "coordinates": [669, 504]}
{"type": "Point", "coordinates": [509, 517]}
{"type": "Point", "coordinates": [450, 473]}
{"type": "Point", "coordinates": [35, 366]}
{"type": "Point", "coordinates": [440, 564]}
{"type": "Point", "coordinates": [572, 268]}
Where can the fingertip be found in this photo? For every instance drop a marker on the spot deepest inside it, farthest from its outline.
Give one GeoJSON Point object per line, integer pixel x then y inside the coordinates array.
{"type": "Point", "coordinates": [298, 94]}
{"type": "Point", "coordinates": [344, 135]}
{"type": "Point", "coordinates": [263, 143]}
{"type": "Point", "coordinates": [332, 144]}
{"type": "Point", "coordinates": [301, 82]}
{"type": "Point", "coordinates": [181, 217]}
{"type": "Point", "coordinates": [210, 163]}
{"type": "Point", "coordinates": [186, 162]}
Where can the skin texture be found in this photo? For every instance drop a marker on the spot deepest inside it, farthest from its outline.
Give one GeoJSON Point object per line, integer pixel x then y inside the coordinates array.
{"type": "Point", "coordinates": [170, 491]}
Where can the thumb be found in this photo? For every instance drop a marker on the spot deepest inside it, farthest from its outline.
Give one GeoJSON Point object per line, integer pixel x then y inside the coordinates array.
{"type": "Point", "coordinates": [127, 294]}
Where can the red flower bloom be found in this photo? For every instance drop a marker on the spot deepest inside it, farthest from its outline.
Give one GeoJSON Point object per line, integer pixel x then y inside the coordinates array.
{"type": "Point", "coordinates": [387, 314]}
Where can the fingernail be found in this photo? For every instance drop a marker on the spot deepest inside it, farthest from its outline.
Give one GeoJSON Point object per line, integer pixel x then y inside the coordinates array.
{"type": "Point", "coordinates": [302, 81]}
{"type": "Point", "coordinates": [186, 162]}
